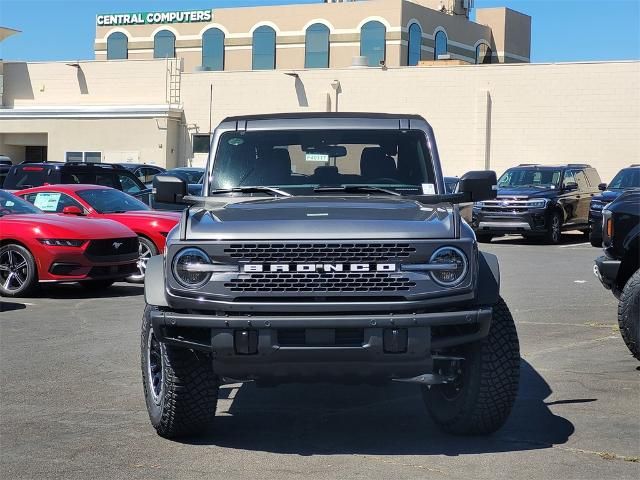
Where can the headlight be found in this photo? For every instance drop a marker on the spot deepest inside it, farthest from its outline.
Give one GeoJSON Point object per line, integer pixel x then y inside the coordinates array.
{"type": "Point", "coordinates": [454, 263]}
{"type": "Point", "coordinates": [54, 242]}
{"type": "Point", "coordinates": [188, 268]}
{"type": "Point", "coordinates": [537, 203]}
{"type": "Point", "coordinates": [596, 205]}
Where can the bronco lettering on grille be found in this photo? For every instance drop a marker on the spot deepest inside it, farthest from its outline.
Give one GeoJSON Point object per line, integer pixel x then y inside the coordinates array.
{"type": "Point", "coordinates": [319, 267]}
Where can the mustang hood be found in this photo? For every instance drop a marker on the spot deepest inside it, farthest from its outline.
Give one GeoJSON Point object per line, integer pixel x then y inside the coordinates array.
{"type": "Point", "coordinates": [66, 227]}
{"type": "Point", "coordinates": [300, 218]}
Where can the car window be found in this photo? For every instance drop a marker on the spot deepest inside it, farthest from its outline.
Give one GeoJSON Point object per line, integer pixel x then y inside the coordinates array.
{"type": "Point", "coordinates": [146, 174]}
{"type": "Point", "coordinates": [51, 202]}
{"type": "Point", "coordinates": [127, 183]}
{"type": "Point", "coordinates": [627, 178]}
{"type": "Point", "coordinates": [581, 180]}
{"type": "Point", "coordinates": [593, 177]}
{"type": "Point", "coordinates": [25, 177]}
{"type": "Point", "coordinates": [569, 177]}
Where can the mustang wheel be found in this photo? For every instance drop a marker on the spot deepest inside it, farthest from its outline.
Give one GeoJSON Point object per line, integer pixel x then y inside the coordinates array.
{"type": "Point", "coordinates": [480, 400]}
{"type": "Point", "coordinates": [146, 250]}
{"type": "Point", "coordinates": [18, 274]}
{"type": "Point", "coordinates": [180, 388]}
{"type": "Point", "coordinates": [629, 314]}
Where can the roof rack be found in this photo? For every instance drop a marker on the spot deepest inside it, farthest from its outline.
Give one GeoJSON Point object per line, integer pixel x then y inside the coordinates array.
{"type": "Point", "coordinates": [583, 165]}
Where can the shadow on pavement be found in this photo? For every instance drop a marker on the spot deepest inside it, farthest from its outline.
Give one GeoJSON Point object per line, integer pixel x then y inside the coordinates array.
{"type": "Point", "coordinates": [9, 306]}
{"type": "Point", "coordinates": [76, 291]}
{"type": "Point", "coordinates": [390, 420]}
{"type": "Point", "coordinates": [568, 238]}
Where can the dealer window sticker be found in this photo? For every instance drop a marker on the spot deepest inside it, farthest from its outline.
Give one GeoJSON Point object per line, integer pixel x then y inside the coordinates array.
{"type": "Point", "coordinates": [47, 202]}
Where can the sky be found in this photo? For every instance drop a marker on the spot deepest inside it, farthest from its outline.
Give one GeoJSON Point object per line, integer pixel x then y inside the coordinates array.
{"type": "Point", "coordinates": [562, 30]}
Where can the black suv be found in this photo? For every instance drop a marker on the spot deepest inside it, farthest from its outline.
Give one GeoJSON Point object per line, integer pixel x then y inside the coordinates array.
{"type": "Point", "coordinates": [27, 175]}
{"type": "Point", "coordinates": [626, 179]}
{"type": "Point", "coordinates": [619, 268]}
{"type": "Point", "coordinates": [538, 200]}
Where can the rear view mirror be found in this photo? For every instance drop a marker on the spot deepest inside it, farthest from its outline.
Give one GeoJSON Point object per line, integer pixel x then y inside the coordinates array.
{"type": "Point", "coordinates": [169, 189]}
{"type": "Point", "coordinates": [602, 187]}
{"type": "Point", "coordinates": [72, 210]}
{"type": "Point", "coordinates": [479, 185]}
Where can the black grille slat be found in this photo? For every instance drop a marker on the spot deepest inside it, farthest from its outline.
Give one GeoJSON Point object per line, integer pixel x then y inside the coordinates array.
{"type": "Point", "coordinates": [329, 282]}
{"type": "Point", "coordinates": [319, 252]}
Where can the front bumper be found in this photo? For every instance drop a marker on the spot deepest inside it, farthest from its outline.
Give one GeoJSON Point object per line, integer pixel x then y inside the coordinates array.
{"type": "Point", "coordinates": [606, 270]}
{"type": "Point", "coordinates": [534, 221]}
{"type": "Point", "coordinates": [316, 347]}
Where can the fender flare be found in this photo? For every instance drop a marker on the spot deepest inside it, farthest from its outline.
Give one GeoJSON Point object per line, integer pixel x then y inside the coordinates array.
{"type": "Point", "coordinates": [488, 279]}
{"type": "Point", "coordinates": [154, 282]}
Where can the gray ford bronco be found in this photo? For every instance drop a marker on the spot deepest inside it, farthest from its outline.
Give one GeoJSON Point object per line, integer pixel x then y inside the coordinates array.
{"type": "Point", "coordinates": [325, 248]}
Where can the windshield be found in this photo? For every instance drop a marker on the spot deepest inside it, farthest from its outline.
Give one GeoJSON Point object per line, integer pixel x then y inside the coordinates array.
{"type": "Point", "coordinates": [530, 177]}
{"type": "Point", "coordinates": [12, 205]}
{"type": "Point", "coordinates": [627, 178]}
{"type": "Point", "coordinates": [189, 176]}
{"type": "Point", "coordinates": [299, 161]}
{"type": "Point", "coordinates": [108, 200]}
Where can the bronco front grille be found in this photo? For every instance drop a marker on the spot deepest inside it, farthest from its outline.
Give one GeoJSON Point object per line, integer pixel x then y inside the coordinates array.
{"type": "Point", "coordinates": [318, 252]}
{"type": "Point", "coordinates": [336, 282]}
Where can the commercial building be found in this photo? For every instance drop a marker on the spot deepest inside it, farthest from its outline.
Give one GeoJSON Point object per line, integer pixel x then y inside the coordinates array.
{"type": "Point", "coordinates": [161, 111]}
{"type": "Point", "coordinates": [323, 35]}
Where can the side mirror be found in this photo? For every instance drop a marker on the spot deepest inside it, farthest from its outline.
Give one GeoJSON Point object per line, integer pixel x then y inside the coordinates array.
{"type": "Point", "coordinates": [479, 185]}
{"type": "Point", "coordinates": [602, 187]}
{"type": "Point", "coordinates": [169, 189]}
{"type": "Point", "coordinates": [571, 186]}
{"type": "Point", "coordinates": [72, 210]}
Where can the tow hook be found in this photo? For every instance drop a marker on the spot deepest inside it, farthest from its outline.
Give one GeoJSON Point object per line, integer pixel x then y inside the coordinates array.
{"type": "Point", "coordinates": [445, 370]}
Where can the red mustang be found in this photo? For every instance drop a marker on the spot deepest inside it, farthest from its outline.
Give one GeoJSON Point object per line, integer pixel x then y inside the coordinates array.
{"type": "Point", "coordinates": [53, 248]}
{"type": "Point", "coordinates": [96, 201]}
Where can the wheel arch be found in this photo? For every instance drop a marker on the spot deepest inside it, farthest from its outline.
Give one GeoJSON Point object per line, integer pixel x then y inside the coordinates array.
{"type": "Point", "coordinates": [488, 279]}
{"type": "Point", "coordinates": [10, 241]}
{"type": "Point", "coordinates": [630, 262]}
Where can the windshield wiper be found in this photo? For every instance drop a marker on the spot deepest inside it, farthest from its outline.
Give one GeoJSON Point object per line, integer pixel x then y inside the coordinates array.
{"type": "Point", "coordinates": [357, 189]}
{"type": "Point", "coordinates": [274, 191]}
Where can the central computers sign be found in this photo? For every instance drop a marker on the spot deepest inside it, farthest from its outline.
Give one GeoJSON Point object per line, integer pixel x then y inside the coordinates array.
{"type": "Point", "coordinates": [151, 18]}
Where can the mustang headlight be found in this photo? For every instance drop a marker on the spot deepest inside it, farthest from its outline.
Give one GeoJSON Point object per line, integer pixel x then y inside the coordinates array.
{"type": "Point", "coordinates": [451, 266]}
{"type": "Point", "coordinates": [537, 203]}
{"type": "Point", "coordinates": [55, 242]}
{"type": "Point", "coordinates": [190, 268]}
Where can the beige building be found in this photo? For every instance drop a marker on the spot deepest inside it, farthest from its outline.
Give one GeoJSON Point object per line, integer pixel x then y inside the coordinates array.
{"type": "Point", "coordinates": [323, 35]}
{"type": "Point", "coordinates": [484, 116]}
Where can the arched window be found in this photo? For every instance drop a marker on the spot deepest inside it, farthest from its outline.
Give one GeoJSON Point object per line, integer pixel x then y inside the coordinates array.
{"type": "Point", "coordinates": [373, 42]}
{"type": "Point", "coordinates": [483, 53]}
{"type": "Point", "coordinates": [441, 45]}
{"type": "Point", "coordinates": [164, 44]}
{"type": "Point", "coordinates": [415, 44]}
{"type": "Point", "coordinates": [213, 49]}
{"type": "Point", "coordinates": [264, 48]}
{"type": "Point", "coordinates": [117, 46]}
{"type": "Point", "coordinates": [316, 52]}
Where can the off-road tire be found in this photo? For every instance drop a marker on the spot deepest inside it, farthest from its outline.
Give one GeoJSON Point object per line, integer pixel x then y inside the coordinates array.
{"type": "Point", "coordinates": [28, 274]}
{"type": "Point", "coordinates": [553, 235]}
{"type": "Point", "coordinates": [488, 385]}
{"type": "Point", "coordinates": [95, 285]}
{"type": "Point", "coordinates": [484, 237]}
{"type": "Point", "coordinates": [187, 402]}
{"type": "Point", "coordinates": [629, 314]}
{"type": "Point", "coordinates": [595, 241]}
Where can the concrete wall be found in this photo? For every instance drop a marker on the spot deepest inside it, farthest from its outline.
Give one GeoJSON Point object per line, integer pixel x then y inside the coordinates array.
{"type": "Point", "coordinates": [484, 115]}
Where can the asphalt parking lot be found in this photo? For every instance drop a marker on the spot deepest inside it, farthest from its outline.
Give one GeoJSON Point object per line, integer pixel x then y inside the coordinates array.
{"type": "Point", "coordinates": [71, 403]}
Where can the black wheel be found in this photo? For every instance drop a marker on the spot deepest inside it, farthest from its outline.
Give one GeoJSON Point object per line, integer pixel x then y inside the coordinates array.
{"type": "Point", "coordinates": [95, 285]}
{"type": "Point", "coordinates": [146, 250]}
{"type": "Point", "coordinates": [596, 241]}
{"type": "Point", "coordinates": [480, 400]}
{"type": "Point", "coordinates": [629, 314]}
{"type": "Point", "coordinates": [484, 237]}
{"type": "Point", "coordinates": [554, 229]}
{"type": "Point", "coordinates": [180, 388]}
{"type": "Point", "coordinates": [18, 272]}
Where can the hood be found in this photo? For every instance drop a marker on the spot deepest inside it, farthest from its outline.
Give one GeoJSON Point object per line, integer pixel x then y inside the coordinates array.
{"type": "Point", "coordinates": [66, 227]}
{"type": "Point", "coordinates": [608, 195]}
{"type": "Point", "coordinates": [527, 192]}
{"type": "Point", "coordinates": [147, 215]}
{"type": "Point", "coordinates": [344, 217]}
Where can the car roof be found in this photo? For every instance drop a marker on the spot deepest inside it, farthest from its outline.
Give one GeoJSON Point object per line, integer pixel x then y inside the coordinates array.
{"type": "Point", "coordinates": [322, 115]}
{"type": "Point", "coordinates": [66, 187]}
{"type": "Point", "coordinates": [541, 166]}
{"type": "Point", "coordinates": [57, 165]}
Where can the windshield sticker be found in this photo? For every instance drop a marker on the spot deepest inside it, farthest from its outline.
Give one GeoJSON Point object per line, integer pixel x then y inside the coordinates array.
{"type": "Point", "coordinates": [428, 189]}
{"type": "Point", "coordinates": [47, 201]}
{"type": "Point", "coordinates": [316, 157]}
{"type": "Point", "coordinates": [9, 203]}
{"type": "Point", "coordinates": [236, 141]}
